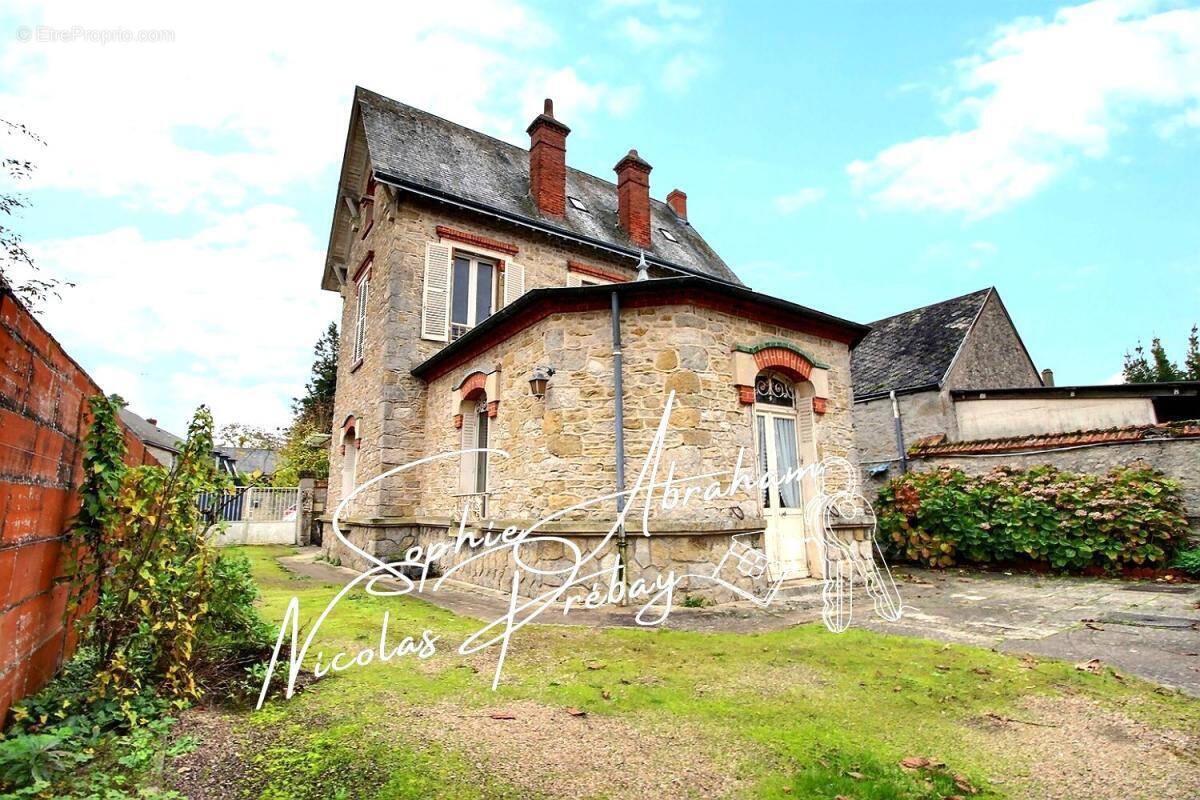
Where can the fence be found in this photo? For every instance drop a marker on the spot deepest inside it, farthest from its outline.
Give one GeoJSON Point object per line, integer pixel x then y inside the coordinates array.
{"type": "Point", "coordinates": [254, 515]}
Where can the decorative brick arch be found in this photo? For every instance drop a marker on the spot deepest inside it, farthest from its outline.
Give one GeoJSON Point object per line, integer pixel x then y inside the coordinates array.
{"type": "Point", "coordinates": [778, 356]}
{"type": "Point", "coordinates": [350, 425]}
{"type": "Point", "coordinates": [473, 387]}
{"type": "Point", "coordinates": [789, 361]}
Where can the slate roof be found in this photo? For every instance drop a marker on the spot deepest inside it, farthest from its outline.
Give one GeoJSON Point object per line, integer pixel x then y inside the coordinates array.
{"type": "Point", "coordinates": [914, 350]}
{"type": "Point", "coordinates": [251, 459]}
{"type": "Point", "coordinates": [938, 445]}
{"type": "Point", "coordinates": [410, 147]}
{"type": "Point", "coordinates": [151, 434]}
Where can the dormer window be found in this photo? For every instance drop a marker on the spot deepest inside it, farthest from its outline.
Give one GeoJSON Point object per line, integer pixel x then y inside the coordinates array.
{"type": "Point", "coordinates": [670, 237]}
{"type": "Point", "coordinates": [577, 204]}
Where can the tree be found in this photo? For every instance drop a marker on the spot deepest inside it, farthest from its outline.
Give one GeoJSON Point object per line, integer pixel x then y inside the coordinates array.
{"type": "Point", "coordinates": [315, 408]}
{"type": "Point", "coordinates": [32, 290]}
{"type": "Point", "coordinates": [1158, 367]}
{"type": "Point", "coordinates": [235, 434]}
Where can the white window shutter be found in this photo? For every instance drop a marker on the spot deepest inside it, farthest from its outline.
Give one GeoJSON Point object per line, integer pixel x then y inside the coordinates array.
{"type": "Point", "coordinates": [573, 279]}
{"type": "Point", "coordinates": [514, 282]}
{"type": "Point", "coordinates": [467, 462]}
{"type": "Point", "coordinates": [435, 303]}
{"type": "Point", "coordinates": [806, 425]}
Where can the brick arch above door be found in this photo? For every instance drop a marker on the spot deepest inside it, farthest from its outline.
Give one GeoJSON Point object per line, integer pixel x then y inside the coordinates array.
{"type": "Point", "coordinates": [785, 358]}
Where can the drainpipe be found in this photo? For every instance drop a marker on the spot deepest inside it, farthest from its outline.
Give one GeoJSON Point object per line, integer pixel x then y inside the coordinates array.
{"type": "Point", "coordinates": [900, 449]}
{"type": "Point", "coordinates": [619, 426]}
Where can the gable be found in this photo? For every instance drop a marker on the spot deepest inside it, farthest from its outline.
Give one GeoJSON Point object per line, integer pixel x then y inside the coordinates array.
{"type": "Point", "coordinates": [993, 355]}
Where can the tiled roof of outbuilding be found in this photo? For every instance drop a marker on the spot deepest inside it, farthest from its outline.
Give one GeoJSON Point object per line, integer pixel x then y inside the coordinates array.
{"type": "Point", "coordinates": [414, 147]}
{"type": "Point", "coordinates": [915, 349]}
{"type": "Point", "coordinates": [937, 445]}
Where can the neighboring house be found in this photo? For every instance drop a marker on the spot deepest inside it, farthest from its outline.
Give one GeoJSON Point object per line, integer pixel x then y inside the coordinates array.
{"type": "Point", "coordinates": [162, 444]}
{"type": "Point", "coordinates": [166, 446]}
{"type": "Point", "coordinates": [908, 365]}
{"type": "Point", "coordinates": [249, 460]}
{"type": "Point", "coordinates": [481, 285]}
{"type": "Point", "coordinates": [952, 384]}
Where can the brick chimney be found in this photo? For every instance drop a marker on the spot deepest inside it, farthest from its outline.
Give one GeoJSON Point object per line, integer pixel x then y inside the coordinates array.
{"type": "Point", "coordinates": [677, 200]}
{"type": "Point", "coordinates": [633, 197]}
{"type": "Point", "coordinates": [152, 421]}
{"type": "Point", "coordinates": [548, 161]}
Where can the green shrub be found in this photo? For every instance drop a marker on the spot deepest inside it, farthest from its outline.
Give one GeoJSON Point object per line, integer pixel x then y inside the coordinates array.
{"type": "Point", "coordinates": [1188, 561]}
{"type": "Point", "coordinates": [1133, 516]}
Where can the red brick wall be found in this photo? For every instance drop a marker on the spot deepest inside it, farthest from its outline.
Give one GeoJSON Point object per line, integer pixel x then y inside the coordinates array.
{"type": "Point", "coordinates": [43, 418]}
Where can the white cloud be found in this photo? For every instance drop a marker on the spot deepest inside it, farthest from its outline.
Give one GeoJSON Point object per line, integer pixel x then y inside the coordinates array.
{"type": "Point", "coordinates": [120, 118]}
{"type": "Point", "coordinates": [682, 70]}
{"type": "Point", "coordinates": [1040, 96]}
{"type": "Point", "coordinates": [229, 312]}
{"type": "Point", "coordinates": [794, 201]}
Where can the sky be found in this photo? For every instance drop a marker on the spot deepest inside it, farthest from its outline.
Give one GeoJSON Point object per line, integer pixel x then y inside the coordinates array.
{"type": "Point", "coordinates": [860, 158]}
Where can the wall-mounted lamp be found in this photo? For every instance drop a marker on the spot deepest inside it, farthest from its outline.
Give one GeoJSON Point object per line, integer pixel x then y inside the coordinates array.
{"type": "Point", "coordinates": [538, 380]}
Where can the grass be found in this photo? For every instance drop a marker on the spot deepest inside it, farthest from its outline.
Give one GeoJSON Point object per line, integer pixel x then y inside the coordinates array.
{"type": "Point", "coordinates": [805, 713]}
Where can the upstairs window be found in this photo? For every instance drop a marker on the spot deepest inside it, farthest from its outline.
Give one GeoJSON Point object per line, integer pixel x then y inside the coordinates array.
{"type": "Point", "coordinates": [360, 315]}
{"type": "Point", "coordinates": [472, 292]}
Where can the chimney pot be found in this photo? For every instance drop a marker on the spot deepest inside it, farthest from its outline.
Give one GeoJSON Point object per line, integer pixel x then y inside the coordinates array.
{"type": "Point", "coordinates": [548, 161]}
{"type": "Point", "coordinates": [1047, 377]}
{"type": "Point", "coordinates": [633, 197]}
{"type": "Point", "coordinates": [677, 200]}
{"type": "Point", "coordinates": [152, 421]}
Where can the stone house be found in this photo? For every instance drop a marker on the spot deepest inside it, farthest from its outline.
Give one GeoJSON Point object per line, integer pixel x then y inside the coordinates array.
{"type": "Point", "coordinates": [908, 365]}
{"type": "Point", "coordinates": [952, 384]}
{"type": "Point", "coordinates": [494, 296]}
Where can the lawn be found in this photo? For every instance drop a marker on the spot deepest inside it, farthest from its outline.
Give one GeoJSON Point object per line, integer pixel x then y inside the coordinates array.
{"type": "Point", "coordinates": [585, 712]}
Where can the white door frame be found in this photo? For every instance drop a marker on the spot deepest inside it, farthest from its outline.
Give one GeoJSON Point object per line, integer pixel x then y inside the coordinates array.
{"type": "Point", "coordinates": [784, 536]}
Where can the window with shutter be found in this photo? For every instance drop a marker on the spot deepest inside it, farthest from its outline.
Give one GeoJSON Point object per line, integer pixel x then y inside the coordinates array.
{"type": "Point", "coordinates": [514, 282]}
{"type": "Point", "coordinates": [468, 467]}
{"type": "Point", "coordinates": [360, 316]}
{"type": "Point", "coordinates": [806, 422]}
{"type": "Point", "coordinates": [435, 305]}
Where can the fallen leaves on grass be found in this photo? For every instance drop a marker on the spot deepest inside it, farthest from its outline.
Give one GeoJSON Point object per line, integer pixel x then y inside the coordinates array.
{"type": "Point", "coordinates": [1095, 666]}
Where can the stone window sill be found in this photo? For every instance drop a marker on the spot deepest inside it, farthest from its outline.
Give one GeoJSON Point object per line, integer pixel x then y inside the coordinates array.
{"type": "Point", "coordinates": [357, 364]}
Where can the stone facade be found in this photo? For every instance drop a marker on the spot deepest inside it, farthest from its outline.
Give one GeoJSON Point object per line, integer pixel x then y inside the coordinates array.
{"type": "Point", "coordinates": [991, 356]}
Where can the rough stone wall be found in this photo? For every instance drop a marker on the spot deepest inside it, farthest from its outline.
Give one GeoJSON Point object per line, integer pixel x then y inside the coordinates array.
{"type": "Point", "coordinates": [992, 356]}
{"type": "Point", "coordinates": [688, 555]}
{"type": "Point", "coordinates": [562, 448]}
{"type": "Point", "coordinates": [1177, 458]}
{"type": "Point", "coordinates": [390, 402]}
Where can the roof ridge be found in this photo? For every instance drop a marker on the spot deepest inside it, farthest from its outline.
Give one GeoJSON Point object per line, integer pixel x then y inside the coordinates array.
{"type": "Point", "coordinates": [363, 90]}
{"type": "Point", "coordinates": [931, 305]}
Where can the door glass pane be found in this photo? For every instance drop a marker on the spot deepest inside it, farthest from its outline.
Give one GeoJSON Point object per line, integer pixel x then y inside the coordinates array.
{"type": "Point", "coordinates": [481, 458]}
{"type": "Point", "coordinates": [460, 288]}
{"type": "Point", "coordinates": [762, 456]}
{"type": "Point", "coordinates": [786, 462]}
{"type": "Point", "coordinates": [483, 292]}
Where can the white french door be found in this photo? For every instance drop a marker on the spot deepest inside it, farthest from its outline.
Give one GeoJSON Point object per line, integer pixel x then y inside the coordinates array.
{"type": "Point", "coordinates": [783, 500]}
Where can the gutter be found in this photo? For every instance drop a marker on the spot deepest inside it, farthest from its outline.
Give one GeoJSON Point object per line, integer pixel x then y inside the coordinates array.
{"type": "Point", "coordinates": [619, 430]}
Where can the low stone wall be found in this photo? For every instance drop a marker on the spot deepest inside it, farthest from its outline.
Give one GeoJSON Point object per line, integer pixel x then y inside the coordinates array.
{"type": "Point", "coordinates": [691, 555]}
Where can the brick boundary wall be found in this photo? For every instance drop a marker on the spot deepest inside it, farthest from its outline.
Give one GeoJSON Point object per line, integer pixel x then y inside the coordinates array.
{"type": "Point", "coordinates": [44, 416]}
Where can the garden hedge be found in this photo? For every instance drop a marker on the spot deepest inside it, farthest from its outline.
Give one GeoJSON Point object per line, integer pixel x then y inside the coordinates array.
{"type": "Point", "coordinates": [1133, 516]}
